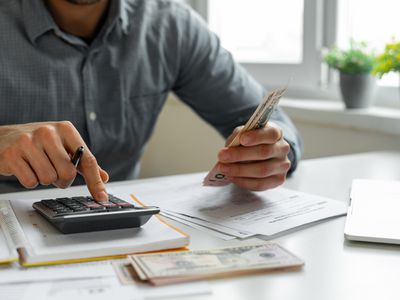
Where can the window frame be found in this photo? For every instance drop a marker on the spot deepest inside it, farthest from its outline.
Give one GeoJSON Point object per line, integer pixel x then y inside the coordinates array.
{"type": "Point", "coordinates": [312, 78]}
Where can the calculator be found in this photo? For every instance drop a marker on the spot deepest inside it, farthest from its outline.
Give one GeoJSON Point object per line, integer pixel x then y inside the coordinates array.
{"type": "Point", "coordinates": [85, 214]}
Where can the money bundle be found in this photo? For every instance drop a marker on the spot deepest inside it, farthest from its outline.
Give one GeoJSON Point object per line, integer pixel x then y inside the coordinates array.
{"type": "Point", "coordinates": [258, 120]}
{"type": "Point", "coordinates": [174, 267]}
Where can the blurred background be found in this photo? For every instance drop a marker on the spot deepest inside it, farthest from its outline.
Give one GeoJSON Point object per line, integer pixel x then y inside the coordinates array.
{"type": "Point", "coordinates": [288, 41]}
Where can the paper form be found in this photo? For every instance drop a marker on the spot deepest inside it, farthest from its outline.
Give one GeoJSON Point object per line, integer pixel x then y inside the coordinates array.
{"type": "Point", "coordinates": [205, 229]}
{"type": "Point", "coordinates": [21, 292]}
{"type": "Point", "coordinates": [216, 227]}
{"type": "Point", "coordinates": [88, 289]}
{"type": "Point", "coordinates": [267, 213]}
{"type": "Point", "coordinates": [15, 273]}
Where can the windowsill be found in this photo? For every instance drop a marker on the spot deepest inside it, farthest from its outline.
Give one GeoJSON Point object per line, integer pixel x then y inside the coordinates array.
{"type": "Point", "coordinates": [373, 119]}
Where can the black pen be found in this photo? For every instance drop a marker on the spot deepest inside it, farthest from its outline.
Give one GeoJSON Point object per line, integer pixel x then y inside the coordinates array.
{"type": "Point", "coordinates": [77, 156]}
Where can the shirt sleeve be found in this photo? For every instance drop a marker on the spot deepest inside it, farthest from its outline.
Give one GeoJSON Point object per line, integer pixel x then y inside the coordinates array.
{"type": "Point", "coordinates": [218, 89]}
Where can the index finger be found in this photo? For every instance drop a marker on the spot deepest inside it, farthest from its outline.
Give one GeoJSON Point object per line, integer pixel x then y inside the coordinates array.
{"type": "Point", "coordinates": [90, 171]}
{"type": "Point", "coordinates": [88, 166]}
{"type": "Point", "coordinates": [267, 135]}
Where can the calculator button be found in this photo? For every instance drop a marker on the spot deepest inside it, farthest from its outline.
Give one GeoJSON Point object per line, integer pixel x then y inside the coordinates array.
{"type": "Point", "coordinates": [121, 203]}
{"type": "Point", "coordinates": [110, 205]}
{"type": "Point", "coordinates": [49, 203]}
{"type": "Point", "coordinates": [107, 204]}
{"type": "Point", "coordinates": [95, 206]}
{"type": "Point", "coordinates": [81, 209]}
{"type": "Point", "coordinates": [79, 199]}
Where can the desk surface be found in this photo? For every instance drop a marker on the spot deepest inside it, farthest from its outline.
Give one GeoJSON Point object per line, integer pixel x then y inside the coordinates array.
{"type": "Point", "coordinates": [334, 268]}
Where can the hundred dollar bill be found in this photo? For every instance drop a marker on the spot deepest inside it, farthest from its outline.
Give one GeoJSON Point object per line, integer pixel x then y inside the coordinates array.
{"type": "Point", "coordinates": [173, 267]}
{"type": "Point", "coordinates": [258, 120]}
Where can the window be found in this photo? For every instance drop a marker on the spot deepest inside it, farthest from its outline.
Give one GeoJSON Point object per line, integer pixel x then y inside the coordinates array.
{"type": "Point", "coordinates": [265, 44]}
{"type": "Point", "coordinates": [275, 40]}
{"type": "Point", "coordinates": [284, 41]}
{"type": "Point", "coordinates": [376, 23]}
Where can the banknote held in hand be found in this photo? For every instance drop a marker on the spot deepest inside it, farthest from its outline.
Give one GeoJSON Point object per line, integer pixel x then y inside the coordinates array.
{"type": "Point", "coordinates": [258, 120]}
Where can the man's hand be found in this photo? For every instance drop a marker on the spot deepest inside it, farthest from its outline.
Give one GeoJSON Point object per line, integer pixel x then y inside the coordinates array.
{"type": "Point", "coordinates": [260, 162]}
{"type": "Point", "coordinates": [40, 153]}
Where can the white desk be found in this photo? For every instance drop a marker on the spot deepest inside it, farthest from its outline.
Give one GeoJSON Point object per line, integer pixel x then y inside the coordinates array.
{"type": "Point", "coordinates": [334, 268]}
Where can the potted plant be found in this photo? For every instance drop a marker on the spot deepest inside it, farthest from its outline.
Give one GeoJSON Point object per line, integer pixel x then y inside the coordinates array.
{"type": "Point", "coordinates": [388, 61]}
{"type": "Point", "coordinates": [355, 64]}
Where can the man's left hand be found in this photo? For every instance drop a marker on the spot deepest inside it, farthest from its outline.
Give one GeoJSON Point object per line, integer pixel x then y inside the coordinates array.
{"type": "Point", "coordinates": [260, 162]}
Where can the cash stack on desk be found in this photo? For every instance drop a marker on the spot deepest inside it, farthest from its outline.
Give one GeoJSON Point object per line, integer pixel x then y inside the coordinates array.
{"type": "Point", "coordinates": [183, 266]}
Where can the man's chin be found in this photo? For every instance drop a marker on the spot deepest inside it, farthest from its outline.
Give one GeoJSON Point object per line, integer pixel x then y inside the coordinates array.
{"type": "Point", "coordinates": [83, 2]}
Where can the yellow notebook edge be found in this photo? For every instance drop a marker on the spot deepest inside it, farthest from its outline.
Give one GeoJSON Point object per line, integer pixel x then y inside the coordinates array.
{"type": "Point", "coordinates": [8, 260]}
{"type": "Point", "coordinates": [161, 220]}
{"type": "Point", "coordinates": [89, 259]}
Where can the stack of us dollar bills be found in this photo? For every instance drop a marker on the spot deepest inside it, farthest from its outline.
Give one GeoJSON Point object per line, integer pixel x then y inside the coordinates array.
{"type": "Point", "coordinates": [173, 267]}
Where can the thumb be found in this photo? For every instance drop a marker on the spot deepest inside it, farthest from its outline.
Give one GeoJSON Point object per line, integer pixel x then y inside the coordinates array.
{"type": "Point", "coordinates": [104, 175]}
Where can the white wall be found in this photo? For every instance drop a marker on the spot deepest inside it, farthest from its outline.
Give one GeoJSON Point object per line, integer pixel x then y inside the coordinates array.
{"type": "Point", "coordinates": [183, 143]}
{"type": "Point", "coordinates": [327, 140]}
{"type": "Point", "coordinates": [329, 129]}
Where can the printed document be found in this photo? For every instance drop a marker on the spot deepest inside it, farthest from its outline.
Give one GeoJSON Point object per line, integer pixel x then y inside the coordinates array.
{"type": "Point", "coordinates": [267, 213]}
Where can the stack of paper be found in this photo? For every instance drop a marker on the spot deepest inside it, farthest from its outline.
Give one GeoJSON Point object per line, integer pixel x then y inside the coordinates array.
{"type": "Point", "coordinates": [230, 212]}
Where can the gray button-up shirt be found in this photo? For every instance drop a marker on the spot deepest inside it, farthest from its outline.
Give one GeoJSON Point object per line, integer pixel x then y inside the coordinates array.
{"type": "Point", "coordinates": [113, 89]}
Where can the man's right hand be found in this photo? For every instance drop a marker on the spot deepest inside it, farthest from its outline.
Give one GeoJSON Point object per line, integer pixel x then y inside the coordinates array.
{"type": "Point", "coordinates": [40, 153]}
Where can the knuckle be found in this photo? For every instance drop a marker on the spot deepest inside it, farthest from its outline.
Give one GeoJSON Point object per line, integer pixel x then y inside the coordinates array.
{"type": "Point", "coordinates": [265, 151]}
{"type": "Point", "coordinates": [48, 178]}
{"type": "Point", "coordinates": [89, 162]}
{"type": "Point", "coordinates": [66, 126]}
{"type": "Point", "coordinates": [67, 174]}
{"type": "Point", "coordinates": [98, 184]}
{"type": "Point", "coordinates": [61, 184]}
{"type": "Point", "coordinates": [45, 132]}
{"type": "Point", "coordinates": [286, 148]}
{"type": "Point", "coordinates": [280, 179]}
{"type": "Point", "coordinates": [275, 134]}
{"type": "Point", "coordinates": [25, 140]}
{"type": "Point", "coordinates": [286, 165]}
{"type": "Point", "coordinates": [29, 183]}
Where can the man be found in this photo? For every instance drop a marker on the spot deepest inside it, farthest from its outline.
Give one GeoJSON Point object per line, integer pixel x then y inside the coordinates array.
{"type": "Point", "coordinates": [97, 73]}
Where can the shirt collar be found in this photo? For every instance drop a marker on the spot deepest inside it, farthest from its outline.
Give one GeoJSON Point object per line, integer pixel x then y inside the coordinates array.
{"type": "Point", "coordinates": [38, 20]}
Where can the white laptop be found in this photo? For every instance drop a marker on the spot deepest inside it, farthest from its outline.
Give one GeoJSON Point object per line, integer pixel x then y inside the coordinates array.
{"type": "Point", "coordinates": [374, 212]}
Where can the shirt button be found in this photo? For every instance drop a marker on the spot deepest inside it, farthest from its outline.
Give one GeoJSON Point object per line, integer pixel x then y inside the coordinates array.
{"type": "Point", "coordinates": [92, 116]}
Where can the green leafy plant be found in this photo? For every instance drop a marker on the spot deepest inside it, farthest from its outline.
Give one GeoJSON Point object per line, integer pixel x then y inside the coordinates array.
{"type": "Point", "coordinates": [388, 61]}
{"type": "Point", "coordinates": [355, 60]}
